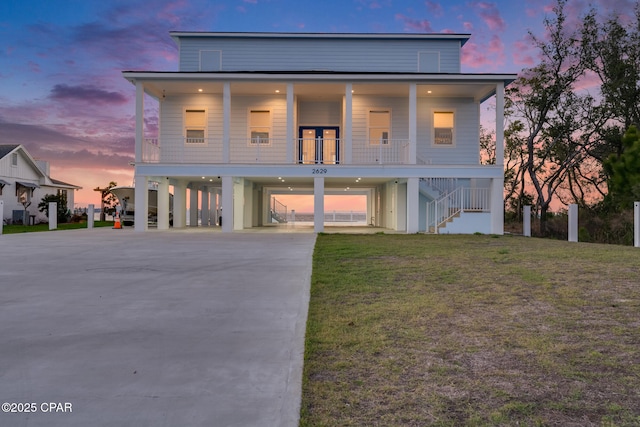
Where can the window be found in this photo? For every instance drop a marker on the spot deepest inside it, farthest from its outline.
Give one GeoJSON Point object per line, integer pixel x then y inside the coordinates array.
{"type": "Point", "coordinates": [260, 126]}
{"type": "Point", "coordinates": [443, 128]}
{"type": "Point", "coordinates": [195, 126]}
{"type": "Point", "coordinates": [14, 159]}
{"type": "Point", "coordinates": [379, 126]}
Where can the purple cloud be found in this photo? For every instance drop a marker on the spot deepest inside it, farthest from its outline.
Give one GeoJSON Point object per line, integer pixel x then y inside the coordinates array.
{"type": "Point", "coordinates": [490, 14]}
{"type": "Point", "coordinates": [423, 26]}
{"type": "Point", "coordinates": [434, 8]}
{"type": "Point", "coordinates": [86, 94]}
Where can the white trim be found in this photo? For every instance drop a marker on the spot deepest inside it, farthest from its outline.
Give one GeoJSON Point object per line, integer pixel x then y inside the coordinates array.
{"type": "Point", "coordinates": [186, 109]}
{"type": "Point", "coordinates": [433, 128]}
{"type": "Point", "coordinates": [379, 110]}
{"type": "Point", "coordinates": [437, 52]}
{"type": "Point", "coordinates": [210, 50]}
{"type": "Point", "coordinates": [250, 110]}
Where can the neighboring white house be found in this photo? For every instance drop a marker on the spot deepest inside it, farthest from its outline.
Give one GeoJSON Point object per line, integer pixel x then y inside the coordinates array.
{"type": "Point", "coordinates": [24, 181]}
{"type": "Point", "coordinates": [249, 116]}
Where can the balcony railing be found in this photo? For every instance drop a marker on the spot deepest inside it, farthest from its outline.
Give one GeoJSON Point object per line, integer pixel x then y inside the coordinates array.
{"type": "Point", "coordinates": [272, 151]}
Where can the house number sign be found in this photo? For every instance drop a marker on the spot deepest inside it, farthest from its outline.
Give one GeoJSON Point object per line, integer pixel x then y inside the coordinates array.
{"type": "Point", "coordinates": [318, 171]}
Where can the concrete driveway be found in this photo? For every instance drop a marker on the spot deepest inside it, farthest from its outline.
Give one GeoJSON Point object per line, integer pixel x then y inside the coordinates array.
{"type": "Point", "coordinates": [180, 328]}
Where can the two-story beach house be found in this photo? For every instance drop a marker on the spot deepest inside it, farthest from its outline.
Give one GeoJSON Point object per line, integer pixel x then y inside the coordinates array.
{"type": "Point", "coordinates": [249, 116]}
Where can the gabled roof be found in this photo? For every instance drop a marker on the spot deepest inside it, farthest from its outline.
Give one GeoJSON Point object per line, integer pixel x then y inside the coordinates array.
{"type": "Point", "coordinates": [6, 149]}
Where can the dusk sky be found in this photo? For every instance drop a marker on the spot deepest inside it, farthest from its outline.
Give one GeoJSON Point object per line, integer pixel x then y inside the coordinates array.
{"type": "Point", "coordinates": [62, 94]}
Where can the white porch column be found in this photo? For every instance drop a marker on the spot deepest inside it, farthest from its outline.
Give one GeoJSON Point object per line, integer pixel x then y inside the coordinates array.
{"type": "Point", "coordinates": [227, 204]}
{"type": "Point", "coordinates": [497, 206]}
{"type": "Point", "coordinates": [1, 215]}
{"type": "Point", "coordinates": [179, 205]}
{"type": "Point", "coordinates": [204, 206]}
{"type": "Point", "coordinates": [413, 205]}
{"type": "Point", "coordinates": [573, 222]}
{"type": "Point", "coordinates": [500, 124]}
{"type": "Point", "coordinates": [318, 205]}
{"type": "Point", "coordinates": [413, 123]}
{"type": "Point", "coordinates": [141, 192]}
{"type": "Point", "coordinates": [139, 120]}
{"type": "Point", "coordinates": [291, 132]}
{"type": "Point", "coordinates": [226, 122]}
{"type": "Point", "coordinates": [163, 203]}
{"type": "Point", "coordinates": [348, 128]}
{"type": "Point", "coordinates": [193, 206]}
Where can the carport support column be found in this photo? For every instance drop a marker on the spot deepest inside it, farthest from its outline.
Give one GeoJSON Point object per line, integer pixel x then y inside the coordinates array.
{"type": "Point", "coordinates": [139, 121]}
{"type": "Point", "coordinates": [413, 209]}
{"type": "Point", "coordinates": [318, 205]}
{"type": "Point", "coordinates": [179, 205]}
{"type": "Point", "coordinates": [193, 206]}
{"type": "Point", "coordinates": [500, 124]}
{"type": "Point", "coordinates": [142, 203]}
{"type": "Point", "coordinates": [204, 209]}
{"type": "Point", "coordinates": [163, 203]}
{"type": "Point", "coordinates": [497, 206]}
{"type": "Point", "coordinates": [227, 204]}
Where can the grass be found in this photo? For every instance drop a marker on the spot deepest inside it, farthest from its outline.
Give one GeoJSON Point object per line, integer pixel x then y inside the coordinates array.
{"type": "Point", "coordinates": [414, 330]}
{"type": "Point", "coordinates": [14, 229]}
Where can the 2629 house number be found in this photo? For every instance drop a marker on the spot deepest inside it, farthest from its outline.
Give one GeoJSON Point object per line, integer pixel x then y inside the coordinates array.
{"type": "Point", "coordinates": [318, 171]}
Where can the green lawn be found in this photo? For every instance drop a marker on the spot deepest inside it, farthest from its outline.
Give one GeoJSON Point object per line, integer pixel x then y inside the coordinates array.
{"type": "Point", "coordinates": [12, 229]}
{"type": "Point", "coordinates": [415, 330]}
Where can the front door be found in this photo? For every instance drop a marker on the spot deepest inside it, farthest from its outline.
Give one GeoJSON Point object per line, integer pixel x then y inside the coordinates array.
{"type": "Point", "coordinates": [319, 145]}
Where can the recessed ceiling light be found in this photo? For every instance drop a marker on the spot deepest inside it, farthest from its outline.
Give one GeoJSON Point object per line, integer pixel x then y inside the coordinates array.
{"type": "Point", "coordinates": [428, 91]}
{"type": "Point", "coordinates": [277, 90]}
{"type": "Point", "coordinates": [203, 177]}
{"type": "Point", "coordinates": [199, 90]}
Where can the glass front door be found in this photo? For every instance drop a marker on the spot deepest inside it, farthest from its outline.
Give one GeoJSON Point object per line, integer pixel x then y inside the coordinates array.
{"type": "Point", "coordinates": [319, 145]}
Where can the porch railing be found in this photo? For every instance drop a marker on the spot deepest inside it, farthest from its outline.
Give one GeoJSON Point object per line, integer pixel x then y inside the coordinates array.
{"type": "Point", "coordinates": [450, 205]}
{"type": "Point", "coordinates": [272, 151]}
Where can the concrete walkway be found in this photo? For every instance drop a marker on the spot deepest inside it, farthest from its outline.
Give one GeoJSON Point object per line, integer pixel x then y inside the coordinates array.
{"type": "Point", "coordinates": [174, 328]}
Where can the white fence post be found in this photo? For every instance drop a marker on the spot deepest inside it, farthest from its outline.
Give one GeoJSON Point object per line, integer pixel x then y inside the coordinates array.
{"type": "Point", "coordinates": [53, 215]}
{"type": "Point", "coordinates": [573, 223]}
{"type": "Point", "coordinates": [526, 221]}
{"type": "Point", "coordinates": [636, 224]}
{"type": "Point", "coordinates": [1, 215]}
{"type": "Point", "coordinates": [90, 216]}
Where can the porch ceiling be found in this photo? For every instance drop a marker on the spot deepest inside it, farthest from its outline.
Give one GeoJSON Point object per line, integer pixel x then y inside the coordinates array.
{"type": "Point", "coordinates": [460, 88]}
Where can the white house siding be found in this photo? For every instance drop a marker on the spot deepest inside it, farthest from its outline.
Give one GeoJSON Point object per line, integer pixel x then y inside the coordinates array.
{"type": "Point", "coordinates": [321, 113]}
{"type": "Point", "coordinates": [172, 142]}
{"type": "Point", "coordinates": [277, 54]}
{"type": "Point", "coordinates": [23, 171]}
{"type": "Point", "coordinates": [467, 132]}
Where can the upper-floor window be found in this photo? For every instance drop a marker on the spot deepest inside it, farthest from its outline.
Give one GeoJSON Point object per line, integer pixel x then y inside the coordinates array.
{"type": "Point", "coordinates": [195, 125]}
{"type": "Point", "coordinates": [260, 126]}
{"type": "Point", "coordinates": [379, 127]}
{"type": "Point", "coordinates": [14, 159]}
{"type": "Point", "coordinates": [443, 128]}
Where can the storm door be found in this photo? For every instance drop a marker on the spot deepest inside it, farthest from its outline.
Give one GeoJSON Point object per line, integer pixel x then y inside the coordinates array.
{"type": "Point", "coordinates": [319, 145]}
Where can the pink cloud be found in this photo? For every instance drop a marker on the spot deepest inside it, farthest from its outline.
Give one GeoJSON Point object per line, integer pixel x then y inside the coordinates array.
{"type": "Point", "coordinates": [86, 94]}
{"type": "Point", "coordinates": [415, 25]}
{"type": "Point", "coordinates": [521, 53]}
{"type": "Point", "coordinates": [468, 26]}
{"type": "Point", "coordinates": [434, 8]}
{"type": "Point", "coordinates": [34, 67]}
{"type": "Point", "coordinates": [490, 14]}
